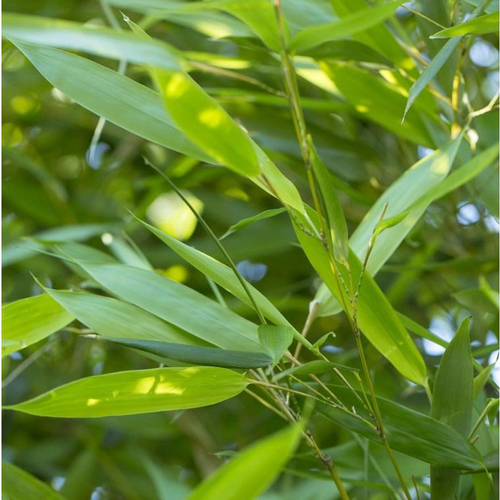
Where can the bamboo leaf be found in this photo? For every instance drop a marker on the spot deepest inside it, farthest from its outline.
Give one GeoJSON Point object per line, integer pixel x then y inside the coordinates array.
{"type": "Point", "coordinates": [178, 305]}
{"type": "Point", "coordinates": [136, 391]}
{"type": "Point", "coordinates": [479, 26]}
{"type": "Point", "coordinates": [30, 320]}
{"type": "Point", "coordinates": [111, 317]}
{"type": "Point", "coordinates": [96, 40]}
{"type": "Point", "coordinates": [115, 97]}
{"type": "Point", "coordinates": [481, 379]}
{"type": "Point", "coordinates": [409, 432]}
{"type": "Point", "coordinates": [452, 403]}
{"type": "Point", "coordinates": [431, 71]}
{"type": "Point", "coordinates": [246, 476]}
{"type": "Point", "coordinates": [376, 317]}
{"type": "Point", "coordinates": [250, 220]}
{"type": "Point", "coordinates": [419, 186]}
{"type": "Point", "coordinates": [18, 484]}
{"type": "Point", "coordinates": [276, 340]}
{"type": "Point", "coordinates": [349, 25]}
{"type": "Point", "coordinates": [196, 355]}
{"type": "Point", "coordinates": [338, 238]}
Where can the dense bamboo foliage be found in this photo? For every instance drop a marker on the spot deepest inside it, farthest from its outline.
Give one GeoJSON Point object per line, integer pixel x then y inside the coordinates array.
{"type": "Point", "coordinates": [250, 249]}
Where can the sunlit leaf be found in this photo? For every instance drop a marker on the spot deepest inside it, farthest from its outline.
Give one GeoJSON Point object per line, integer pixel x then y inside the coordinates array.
{"type": "Point", "coordinates": [30, 320]}
{"type": "Point", "coordinates": [136, 391]}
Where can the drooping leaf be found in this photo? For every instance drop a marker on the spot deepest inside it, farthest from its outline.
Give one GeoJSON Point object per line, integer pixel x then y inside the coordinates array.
{"type": "Point", "coordinates": [197, 355]}
{"type": "Point", "coordinates": [276, 340]}
{"type": "Point", "coordinates": [248, 475]}
{"type": "Point", "coordinates": [348, 25]}
{"type": "Point", "coordinates": [221, 274]}
{"type": "Point", "coordinates": [452, 403]}
{"type": "Point", "coordinates": [408, 431]}
{"type": "Point", "coordinates": [136, 391]}
{"type": "Point", "coordinates": [481, 25]}
{"type": "Point", "coordinates": [338, 238]}
{"type": "Point", "coordinates": [30, 320]}
{"type": "Point", "coordinates": [178, 305]}
{"type": "Point", "coordinates": [115, 97]}
{"type": "Point", "coordinates": [250, 220]}
{"type": "Point", "coordinates": [18, 484]}
{"type": "Point", "coordinates": [431, 71]}
{"type": "Point", "coordinates": [376, 317]}
{"type": "Point", "coordinates": [412, 191]}
{"type": "Point", "coordinates": [97, 40]}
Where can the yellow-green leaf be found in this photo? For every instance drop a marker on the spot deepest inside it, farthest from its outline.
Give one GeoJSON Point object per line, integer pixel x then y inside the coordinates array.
{"type": "Point", "coordinates": [137, 391]}
{"type": "Point", "coordinates": [30, 320]}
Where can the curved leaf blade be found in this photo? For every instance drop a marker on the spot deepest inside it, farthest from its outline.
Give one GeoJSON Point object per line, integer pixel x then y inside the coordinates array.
{"type": "Point", "coordinates": [136, 391]}
{"type": "Point", "coordinates": [100, 41]}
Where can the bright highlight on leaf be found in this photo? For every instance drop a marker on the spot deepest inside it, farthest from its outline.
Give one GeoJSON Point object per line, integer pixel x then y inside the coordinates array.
{"type": "Point", "coordinates": [136, 391]}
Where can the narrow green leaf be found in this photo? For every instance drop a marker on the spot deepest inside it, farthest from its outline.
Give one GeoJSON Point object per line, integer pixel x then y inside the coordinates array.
{"type": "Point", "coordinates": [196, 355]}
{"type": "Point", "coordinates": [30, 320]}
{"type": "Point", "coordinates": [415, 190]}
{"type": "Point", "coordinates": [408, 431]}
{"type": "Point", "coordinates": [452, 403]}
{"type": "Point", "coordinates": [178, 305]}
{"type": "Point", "coordinates": [111, 317]}
{"type": "Point", "coordinates": [376, 317]}
{"type": "Point", "coordinates": [248, 475]}
{"type": "Point", "coordinates": [250, 220]}
{"type": "Point", "coordinates": [276, 340]}
{"type": "Point", "coordinates": [221, 274]}
{"type": "Point", "coordinates": [480, 380]}
{"type": "Point", "coordinates": [136, 391]}
{"type": "Point", "coordinates": [387, 224]}
{"type": "Point", "coordinates": [126, 253]}
{"type": "Point", "coordinates": [338, 238]}
{"type": "Point", "coordinates": [97, 40]}
{"type": "Point", "coordinates": [349, 25]}
{"type": "Point", "coordinates": [18, 484]}
{"type": "Point", "coordinates": [480, 26]}
{"type": "Point", "coordinates": [115, 97]}
{"type": "Point", "coordinates": [431, 71]}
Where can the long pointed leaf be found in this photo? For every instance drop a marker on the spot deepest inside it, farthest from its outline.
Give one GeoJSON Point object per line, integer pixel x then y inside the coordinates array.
{"type": "Point", "coordinates": [136, 391]}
